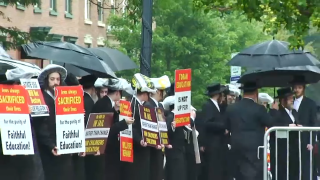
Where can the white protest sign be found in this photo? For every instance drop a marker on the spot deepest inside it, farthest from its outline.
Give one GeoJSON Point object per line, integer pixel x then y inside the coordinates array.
{"type": "Point", "coordinates": [235, 73]}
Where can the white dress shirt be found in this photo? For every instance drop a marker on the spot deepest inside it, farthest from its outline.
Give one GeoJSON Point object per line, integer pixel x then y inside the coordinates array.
{"type": "Point", "coordinates": [290, 114]}
{"type": "Point", "coordinates": [297, 102]}
{"type": "Point", "coordinates": [216, 104]}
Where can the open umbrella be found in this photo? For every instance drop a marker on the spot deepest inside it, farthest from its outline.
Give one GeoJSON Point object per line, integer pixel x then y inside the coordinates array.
{"type": "Point", "coordinates": [115, 59]}
{"type": "Point", "coordinates": [64, 52]}
{"type": "Point", "coordinates": [272, 54]}
{"type": "Point", "coordinates": [280, 77]}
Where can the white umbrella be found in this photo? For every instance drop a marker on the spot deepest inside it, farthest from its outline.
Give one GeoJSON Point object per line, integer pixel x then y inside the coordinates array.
{"type": "Point", "coordinates": [6, 63]}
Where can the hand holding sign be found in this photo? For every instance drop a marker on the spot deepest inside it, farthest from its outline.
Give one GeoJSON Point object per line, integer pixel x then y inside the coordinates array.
{"type": "Point", "coordinates": [82, 154]}
{"type": "Point", "coordinates": [143, 144]}
{"type": "Point", "coordinates": [97, 154]}
{"type": "Point", "coordinates": [129, 120]}
{"type": "Point", "coordinates": [55, 151]}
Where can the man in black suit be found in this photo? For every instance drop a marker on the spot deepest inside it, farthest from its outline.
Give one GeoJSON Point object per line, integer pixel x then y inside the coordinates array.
{"type": "Point", "coordinates": [307, 116]}
{"type": "Point", "coordinates": [215, 134]}
{"type": "Point", "coordinates": [287, 116]}
{"type": "Point", "coordinates": [246, 120]}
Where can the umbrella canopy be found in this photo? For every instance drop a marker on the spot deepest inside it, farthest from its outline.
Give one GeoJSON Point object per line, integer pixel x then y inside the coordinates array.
{"type": "Point", "coordinates": [6, 64]}
{"type": "Point", "coordinates": [81, 71]}
{"type": "Point", "coordinates": [272, 54]}
{"type": "Point", "coordinates": [280, 77]}
{"type": "Point", "coordinates": [64, 52]}
{"type": "Point", "coordinates": [115, 59]}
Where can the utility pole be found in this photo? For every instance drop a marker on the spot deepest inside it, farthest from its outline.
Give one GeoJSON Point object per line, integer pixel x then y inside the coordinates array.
{"type": "Point", "coordinates": [146, 49]}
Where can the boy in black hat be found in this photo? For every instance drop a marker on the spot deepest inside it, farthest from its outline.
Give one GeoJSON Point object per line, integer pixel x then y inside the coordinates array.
{"type": "Point", "coordinates": [287, 116]}
{"type": "Point", "coordinates": [246, 120]}
{"type": "Point", "coordinates": [307, 115]}
{"type": "Point", "coordinates": [215, 140]}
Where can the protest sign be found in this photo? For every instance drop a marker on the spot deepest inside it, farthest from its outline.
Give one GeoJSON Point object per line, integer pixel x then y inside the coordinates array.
{"type": "Point", "coordinates": [69, 119]}
{"type": "Point", "coordinates": [149, 126]}
{"type": "Point", "coordinates": [126, 141]}
{"type": "Point", "coordinates": [16, 135]}
{"type": "Point", "coordinates": [36, 102]}
{"type": "Point", "coordinates": [182, 101]}
{"type": "Point", "coordinates": [97, 132]}
{"type": "Point", "coordinates": [162, 124]}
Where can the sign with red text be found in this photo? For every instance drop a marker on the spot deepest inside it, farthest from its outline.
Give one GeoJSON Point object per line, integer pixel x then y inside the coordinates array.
{"type": "Point", "coordinates": [162, 126]}
{"type": "Point", "coordinates": [126, 140]}
{"type": "Point", "coordinates": [149, 126]}
{"type": "Point", "coordinates": [69, 119]}
{"type": "Point", "coordinates": [16, 135]}
{"type": "Point", "coordinates": [182, 103]}
{"type": "Point", "coordinates": [97, 132]}
{"type": "Point", "coordinates": [36, 102]}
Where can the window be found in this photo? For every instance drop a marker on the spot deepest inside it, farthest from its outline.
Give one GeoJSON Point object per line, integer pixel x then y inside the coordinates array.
{"type": "Point", "coordinates": [53, 5]}
{"type": "Point", "coordinates": [37, 7]}
{"type": "Point", "coordinates": [68, 9]}
{"type": "Point", "coordinates": [100, 12]}
{"type": "Point", "coordinates": [87, 10]}
{"type": "Point", "coordinates": [53, 8]}
{"type": "Point", "coordinates": [20, 5]}
{"type": "Point", "coordinates": [87, 45]}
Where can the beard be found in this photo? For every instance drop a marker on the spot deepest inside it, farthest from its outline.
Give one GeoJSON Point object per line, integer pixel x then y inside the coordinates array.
{"type": "Point", "coordinates": [290, 106]}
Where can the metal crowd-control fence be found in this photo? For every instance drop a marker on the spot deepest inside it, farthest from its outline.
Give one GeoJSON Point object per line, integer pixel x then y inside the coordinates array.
{"type": "Point", "coordinates": [283, 133]}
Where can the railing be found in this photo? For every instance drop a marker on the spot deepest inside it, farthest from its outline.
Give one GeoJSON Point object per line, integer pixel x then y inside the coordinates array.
{"type": "Point", "coordinates": [283, 133]}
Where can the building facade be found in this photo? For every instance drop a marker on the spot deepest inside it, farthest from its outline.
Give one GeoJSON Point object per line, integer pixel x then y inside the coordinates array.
{"type": "Point", "coordinates": [82, 22]}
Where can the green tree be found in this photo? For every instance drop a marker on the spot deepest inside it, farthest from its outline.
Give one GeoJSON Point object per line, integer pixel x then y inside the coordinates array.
{"type": "Point", "coordinates": [297, 16]}
{"type": "Point", "coordinates": [16, 37]}
{"type": "Point", "coordinates": [187, 39]}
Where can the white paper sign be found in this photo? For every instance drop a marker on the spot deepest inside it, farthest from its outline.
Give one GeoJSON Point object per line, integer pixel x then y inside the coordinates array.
{"type": "Point", "coordinates": [70, 133]}
{"type": "Point", "coordinates": [16, 134]}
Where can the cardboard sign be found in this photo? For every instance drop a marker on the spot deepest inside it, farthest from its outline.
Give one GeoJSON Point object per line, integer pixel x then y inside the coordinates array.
{"type": "Point", "coordinates": [182, 104]}
{"type": "Point", "coordinates": [126, 140]}
{"type": "Point", "coordinates": [36, 102]}
{"type": "Point", "coordinates": [69, 119]}
{"type": "Point", "coordinates": [97, 132]}
{"type": "Point", "coordinates": [16, 135]}
{"type": "Point", "coordinates": [149, 126]}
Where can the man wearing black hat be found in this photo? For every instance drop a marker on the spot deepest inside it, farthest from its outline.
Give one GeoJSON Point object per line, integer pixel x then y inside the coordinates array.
{"type": "Point", "coordinates": [307, 116]}
{"type": "Point", "coordinates": [215, 142]}
{"type": "Point", "coordinates": [287, 116]}
{"type": "Point", "coordinates": [246, 120]}
{"type": "Point", "coordinates": [90, 95]}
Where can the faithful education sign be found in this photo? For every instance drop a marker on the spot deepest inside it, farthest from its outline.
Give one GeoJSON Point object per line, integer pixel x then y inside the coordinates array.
{"type": "Point", "coordinates": [70, 119]}
{"type": "Point", "coordinates": [15, 125]}
{"type": "Point", "coordinates": [149, 126]}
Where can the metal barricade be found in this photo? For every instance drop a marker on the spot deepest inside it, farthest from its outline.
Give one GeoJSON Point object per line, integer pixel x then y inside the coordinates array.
{"type": "Point", "coordinates": [283, 133]}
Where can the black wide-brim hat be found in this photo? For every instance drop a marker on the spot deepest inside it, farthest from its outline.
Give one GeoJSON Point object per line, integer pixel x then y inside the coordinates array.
{"type": "Point", "coordinates": [298, 80]}
{"type": "Point", "coordinates": [249, 86]}
{"type": "Point", "coordinates": [88, 81]}
{"type": "Point", "coordinates": [284, 92]}
{"type": "Point", "coordinates": [215, 88]}
{"type": "Point", "coordinates": [4, 80]}
{"type": "Point", "coordinates": [71, 80]}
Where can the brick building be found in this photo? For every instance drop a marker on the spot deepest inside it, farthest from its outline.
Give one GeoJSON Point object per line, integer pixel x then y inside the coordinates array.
{"type": "Point", "coordinates": [75, 21]}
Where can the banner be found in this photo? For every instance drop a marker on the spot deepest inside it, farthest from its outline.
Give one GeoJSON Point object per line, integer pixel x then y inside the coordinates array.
{"type": "Point", "coordinates": [16, 135]}
{"type": "Point", "coordinates": [69, 119]}
{"type": "Point", "coordinates": [235, 73]}
{"type": "Point", "coordinates": [97, 132]}
{"type": "Point", "coordinates": [182, 103]}
{"type": "Point", "coordinates": [36, 102]}
{"type": "Point", "coordinates": [126, 140]}
{"type": "Point", "coordinates": [149, 126]}
{"type": "Point", "coordinates": [162, 124]}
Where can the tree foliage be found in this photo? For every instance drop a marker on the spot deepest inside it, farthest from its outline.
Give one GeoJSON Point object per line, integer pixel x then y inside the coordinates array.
{"type": "Point", "coordinates": [187, 39]}
{"type": "Point", "coordinates": [297, 16]}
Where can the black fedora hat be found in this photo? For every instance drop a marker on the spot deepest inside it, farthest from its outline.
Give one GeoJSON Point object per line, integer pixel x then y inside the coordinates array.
{"type": "Point", "coordinates": [284, 92]}
{"type": "Point", "coordinates": [71, 80]}
{"type": "Point", "coordinates": [298, 80]}
{"type": "Point", "coordinates": [249, 86]}
{"type": "Point", "coordinates": [215, 88]}
{"type": "Point", "coordinates": [88, 81]}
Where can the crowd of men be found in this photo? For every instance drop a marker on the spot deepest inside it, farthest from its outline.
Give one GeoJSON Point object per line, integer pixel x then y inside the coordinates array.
{"type": "Point", "coordinates": [230, 127]}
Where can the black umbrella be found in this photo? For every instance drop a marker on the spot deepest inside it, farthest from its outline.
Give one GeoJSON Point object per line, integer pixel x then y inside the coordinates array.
{"type": "Point", "coordinates": [115, 59]}
{"type": "Point", "coordinates": [64, 52]}
{"type": "Point", "coordinates": [272, 54]}
{"type": "Point", "coordinates": [281, 77]}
